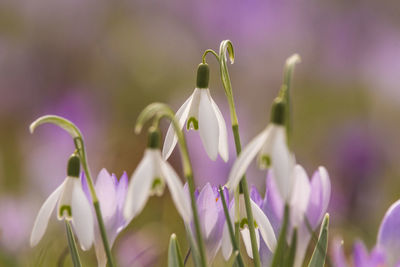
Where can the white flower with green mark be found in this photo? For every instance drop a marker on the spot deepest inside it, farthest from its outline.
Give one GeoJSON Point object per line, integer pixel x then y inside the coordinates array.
{"type": "Point", "coordinates": [72, 205]}
{"type": "Point", "coordinates": [272, 149]}
{"type": "Point", "coordinates": [261, 224]}
{"type": "Point", "coordinates": [201, 113]}
{"type": "Point", "coordinates": [149, 178]}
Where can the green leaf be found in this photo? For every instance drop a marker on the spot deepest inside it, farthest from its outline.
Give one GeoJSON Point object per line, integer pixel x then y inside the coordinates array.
{"type": "Point", "coordinates": [319, 254]}
{"type": "Point", "coordinates": [292, 251]}
{"type": "Point", "coordinates": [174, 253]}
{"type": "Point", "coordinates": [281, 248]}
{"type": "Point", "coordinates": [72, 246]}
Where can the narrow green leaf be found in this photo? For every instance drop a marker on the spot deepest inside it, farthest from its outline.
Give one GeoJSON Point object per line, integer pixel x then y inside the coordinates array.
{"type": "Point", "coordinates": [193, 245]}
{"type": "Point", "coordinates": [319, 254]}
{"type": "Point", "coordinates": [292, 251]}
{"type": "Point", "coordinates": [281, 248]}
{"type": "Point", "coordinates": [72, 246]}
{"type": "Point", "coordinates": [174, 253]}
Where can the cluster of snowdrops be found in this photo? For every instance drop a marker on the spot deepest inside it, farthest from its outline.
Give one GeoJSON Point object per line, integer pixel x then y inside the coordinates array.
{"type": "Point", "coordinates": [274, 230]}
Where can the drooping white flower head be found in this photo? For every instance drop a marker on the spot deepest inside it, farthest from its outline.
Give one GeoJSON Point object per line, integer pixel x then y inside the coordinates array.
{"type": "Point", "coordinates": [72, 205]}
{"type": "Point", "coordinates": [201, 113]}
{"type": "Point", "coordinates": [262, 226]}
{"type": "Point", "coordinates": [272, 149]}
{"type": "Point", "coordinates": [149, 178]}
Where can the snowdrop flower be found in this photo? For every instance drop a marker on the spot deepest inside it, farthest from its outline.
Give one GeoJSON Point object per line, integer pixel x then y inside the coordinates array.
{"type": "Point", "coordinates": [72, 205]}
{"type": "Point", "coordinates": [150, 177]}
{"type": "Point", "coordinates": [201, 113]}
{"type": "Point", "coordinates": [111, 194]}
{"type": "Point", "coordinates": [271, 147]}
{"type": "Point", "coordinates": [262, 226]}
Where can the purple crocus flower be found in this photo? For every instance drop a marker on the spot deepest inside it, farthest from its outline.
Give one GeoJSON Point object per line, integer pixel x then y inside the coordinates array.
{"type": "Point", "coordinates": [389, 234]}
{"type": "Point", "coordinates": [211, 217]}
{"type": "Point", "coordinates": [111, 194]}
{"type": "Point", "coordinates": [308, 204]}
{"type": "Point", "coordinates": [386, 250]}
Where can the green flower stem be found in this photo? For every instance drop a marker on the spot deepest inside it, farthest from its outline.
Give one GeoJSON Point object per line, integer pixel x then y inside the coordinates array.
{"type": "Point", "coordinates": [286, 90]}
{"type": "Point", "coordinates": [72, 245]}
{"type": "Point", "coordinates": [80, 147]}
{"type": "Point", "coordinates": [227, 47]}
{"type": "Point", "coordinates": [235, 243]}
{"type": "Point", "coordinates": [158, 111]}
{"type": "Point", "coordinates": [82, 154]}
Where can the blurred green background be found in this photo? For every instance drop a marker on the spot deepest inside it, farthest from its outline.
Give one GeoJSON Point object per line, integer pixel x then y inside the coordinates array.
{"type": "Point", "coordinates": [99, 63]}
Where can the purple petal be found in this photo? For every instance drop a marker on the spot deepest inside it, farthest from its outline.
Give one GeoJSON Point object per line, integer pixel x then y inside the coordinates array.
{"type": "Point", "coordinates": [360, 255]}
{"type": "Point", "coordinates": [255, 196]}
{"type": "Point", "coordinates": [273, 205]}
{"type": "Point", "coordinates": [273, 197]}
{"type": "Point", "coordinates": [377, 258]}
{"type": "Point", "coordinates": [85, 187]}
{"type": "Point", "coordinates": [339, 258]}
{"type": "Point", "coordinates": [208, 211]}
{"type": "Point", "coordinates": [106, 193]}
{"type": "Point", "coordinates": [122, 188]}
{"type": "Point", "coordinates": [389, 234]}
{"type": "Point", "coordinates": [319, 197]}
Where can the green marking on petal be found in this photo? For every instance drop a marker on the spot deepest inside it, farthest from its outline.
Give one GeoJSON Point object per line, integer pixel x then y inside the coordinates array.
{"type": "Point", "coordinates": [245, 222]}
{"type": "Point", "coordinates": [157, 187]}
{"type": "Point", "coordinates": [264, 162]}
{"type": "Point", "coordinates": [192, 124]}
{"type": "Point", "coordinates": [67, 209]}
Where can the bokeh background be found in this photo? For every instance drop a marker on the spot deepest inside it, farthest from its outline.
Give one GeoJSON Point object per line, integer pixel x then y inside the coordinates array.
{"type": "Point", "coordinates": [99, 63]}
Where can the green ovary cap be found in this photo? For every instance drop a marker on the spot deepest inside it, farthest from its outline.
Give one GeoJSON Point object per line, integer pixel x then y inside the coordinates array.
{"type": "Point", "coordinates": [278, 112]}
{"type": "Point", "coordinates": [74, 166]}
{"type": "Point", "coordinates": [203, 76]}
{"type": "Point", "coordinates": [153, 138]}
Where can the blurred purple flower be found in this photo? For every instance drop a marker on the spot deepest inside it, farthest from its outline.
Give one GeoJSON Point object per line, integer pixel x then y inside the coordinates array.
{"type": "Point", "coordinates": [16, 223]}
{"type": "Point", "coordinates": [140, 249]}
{"type": "Point", "coordinates": [389, 234]}
{"type": "Point", "coordinates": [111, 194]}
{"type": "Point", "coordinates": [386, 250]}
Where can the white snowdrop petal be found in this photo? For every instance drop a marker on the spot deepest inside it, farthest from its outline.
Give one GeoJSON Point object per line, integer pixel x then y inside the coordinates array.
{"type": "Point", "coordinates": [326, 186]}
{"type": "Point", "coordinates": [170, 138]}
{"type": "Point", "coordinates": [139, 186]}
{"type": "Point", "coordinates": [300, 195]}
{"type": "Point", "coordinates": [226, 245]}
{"type": "Point", "coordinates": [264, 226]}
{"type": "Point", "coordinates": [208, 125]}
{"type": "Point", "coordinates": [82, 216]}
{"type": "Point", "coordinates": [244, 159]}
{"type": "Point", "coordinates": [175, 187]}
{"type": "Point", "coordinates": [64, 203]}
{"type": "Point", "coordinates": [245, 232]}
{"type": "Point", "coordinates": [282, 162]}
{"type": "Point", "coordinates": [42, 219]}
{"type": "Point", "coordinates": [223, 134]}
